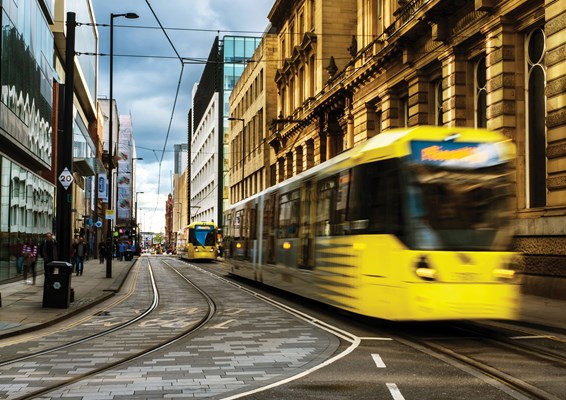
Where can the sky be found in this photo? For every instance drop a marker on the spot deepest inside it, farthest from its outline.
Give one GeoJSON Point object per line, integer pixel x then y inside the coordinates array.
{"type": "Point", "coordinates": [147, 73]}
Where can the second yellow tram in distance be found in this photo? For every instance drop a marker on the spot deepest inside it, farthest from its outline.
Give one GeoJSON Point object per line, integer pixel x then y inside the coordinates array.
{"type": "Point", "coordinates": [413, 224]}
{"type": "Point", "coordinates": [198, 241]}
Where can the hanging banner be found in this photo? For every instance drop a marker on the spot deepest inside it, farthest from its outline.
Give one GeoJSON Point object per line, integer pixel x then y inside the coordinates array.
{"type": "Point", "coordinates": [103, 188]}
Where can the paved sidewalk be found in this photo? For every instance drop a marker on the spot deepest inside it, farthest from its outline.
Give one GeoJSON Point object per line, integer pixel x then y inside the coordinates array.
{"type": "Point", "coordinates": [22, 304]}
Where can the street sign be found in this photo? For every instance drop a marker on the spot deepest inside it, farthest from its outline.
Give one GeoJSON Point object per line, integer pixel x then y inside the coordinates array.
{"type": "Point", "coordinates": [111, 214]}
{"type": "Point", "coordinates": [66, 178]}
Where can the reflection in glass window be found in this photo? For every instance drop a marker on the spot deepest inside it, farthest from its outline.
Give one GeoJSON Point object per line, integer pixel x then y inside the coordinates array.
{"type": "Point", "coordinates": [289, 215]}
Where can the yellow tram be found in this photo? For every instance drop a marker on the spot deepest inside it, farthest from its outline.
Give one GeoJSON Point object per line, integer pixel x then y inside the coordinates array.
{"type": "Point", "coordinates": [413, 224]}
{"type": "Point", "coordinates": [198, 241]}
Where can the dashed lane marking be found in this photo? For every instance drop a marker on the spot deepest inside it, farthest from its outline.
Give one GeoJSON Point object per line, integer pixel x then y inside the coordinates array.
{"type": "Point", "coordinates": [378, 361]}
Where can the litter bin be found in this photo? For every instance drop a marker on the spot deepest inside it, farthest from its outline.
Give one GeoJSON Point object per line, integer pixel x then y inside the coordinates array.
{"type": "Point", "coordinates": [128, 255]}
{"type": "Point", "coordinates": [57, 285]}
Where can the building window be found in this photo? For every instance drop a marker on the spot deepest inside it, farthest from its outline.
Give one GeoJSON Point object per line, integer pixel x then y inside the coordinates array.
{"type": "Point", "coordinates": [289, 171]}
{"type": "Point", "coordinates": [299, 157]}
{"type": "Point", "coordinates": [310, 154]}
{"type": "Point", "coordinates": [536, 119]}
{"type": "Point", "coordinates": [404, 112]}
{"type": "Point", "coordinates": [480, 86]}
{"type": "Point", "coordinates": [438, 111]}
{"type": "Point", "coordinates": [281, 170]}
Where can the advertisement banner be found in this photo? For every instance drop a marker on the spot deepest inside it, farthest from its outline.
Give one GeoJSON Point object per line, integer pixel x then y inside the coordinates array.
{"type": "Point", "coordinates": [124, 176]}
{"type": "Point", "coordinates": [103, 188]}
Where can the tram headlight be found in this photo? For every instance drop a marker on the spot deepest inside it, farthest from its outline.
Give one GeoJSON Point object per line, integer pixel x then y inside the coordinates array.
{"type": "Point", "coordinates": [424, 271]}
{"type": "Point", "coordinates": [196, 249]}
{"type": "Point", "coordinates": [508, 272]}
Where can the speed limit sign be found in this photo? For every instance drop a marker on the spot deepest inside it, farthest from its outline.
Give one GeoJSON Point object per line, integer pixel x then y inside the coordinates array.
{"type": "Point", "coordinates": [66, 178]}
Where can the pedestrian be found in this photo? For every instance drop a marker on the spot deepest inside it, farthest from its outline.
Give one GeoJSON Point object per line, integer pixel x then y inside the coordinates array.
{"type": "Point", "coordinates": [121, 250]}
{"type": "Point", "coordinates": [101, 251]}
{"type": "Point", "coordinates": [48, 251]}
{"type": "Point", "coordinates": [72, 254]}
{"type": "Point", "coordinates": [17, 251]}
{"type": "Point", "coordinates": [29, 251]}
{"type": "Point", "coordinates": [80, 253]}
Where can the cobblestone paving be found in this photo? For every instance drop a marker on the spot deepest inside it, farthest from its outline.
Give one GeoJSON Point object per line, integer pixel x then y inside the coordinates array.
{"type": "Point", "coordinates": [168, 321]}
{"type": "Point", "coordinates": [247, 344]}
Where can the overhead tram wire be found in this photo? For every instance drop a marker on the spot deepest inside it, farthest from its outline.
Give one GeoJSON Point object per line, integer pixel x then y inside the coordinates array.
{"type": "Point", "coordinates": [174, 102]}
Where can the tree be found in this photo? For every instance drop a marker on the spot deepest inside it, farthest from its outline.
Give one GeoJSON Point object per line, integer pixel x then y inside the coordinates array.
{"type": "Point", "coordinates": [158, 238]}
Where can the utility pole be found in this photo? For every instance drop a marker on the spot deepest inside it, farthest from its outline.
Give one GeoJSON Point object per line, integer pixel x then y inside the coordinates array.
{"type": "Point", "coordinates": [65, 148]}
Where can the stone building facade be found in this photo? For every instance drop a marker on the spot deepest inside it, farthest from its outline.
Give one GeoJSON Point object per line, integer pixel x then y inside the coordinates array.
{"type": "Point", "coordinates": [349, 70]}
{"type": "Point", "coordinates": [252, 106]}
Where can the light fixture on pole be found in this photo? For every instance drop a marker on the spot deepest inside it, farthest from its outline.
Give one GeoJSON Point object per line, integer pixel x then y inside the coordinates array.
{"type": "Point", "coordinates": [110, 134]}
{"type": "Point", "coordinates": [243, 147]}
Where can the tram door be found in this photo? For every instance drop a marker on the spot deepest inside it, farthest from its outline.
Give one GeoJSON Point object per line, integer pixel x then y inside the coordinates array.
{"type": "Point", "coordinates": [306, 233]}
{"type": "Point", "coordinates": [269, 229]}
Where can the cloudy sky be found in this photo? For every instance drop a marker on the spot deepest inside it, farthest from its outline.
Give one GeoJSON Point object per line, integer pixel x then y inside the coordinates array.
{"type": "Point", "coordinates": [147, 73]}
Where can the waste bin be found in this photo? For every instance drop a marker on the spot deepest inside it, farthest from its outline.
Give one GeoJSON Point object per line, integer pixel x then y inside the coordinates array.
{"type": "Point", "coordinates": [128, 255]}
{"type": "Point", "coordinates": [57, 285]}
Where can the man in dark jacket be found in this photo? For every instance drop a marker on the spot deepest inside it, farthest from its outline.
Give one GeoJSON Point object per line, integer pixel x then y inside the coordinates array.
{"type": "Point", "coordinates": [48, 251]}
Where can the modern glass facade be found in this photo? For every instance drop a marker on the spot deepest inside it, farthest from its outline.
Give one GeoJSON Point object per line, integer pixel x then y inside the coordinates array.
{"type": "Point", "coordinates": [27, 204]}
{"type": "Point", "coordinates": [237, 51]}
{"type": "Point", "coordinates": [26, 77]}
{"type": "Point", "coordinates": [27, 201]}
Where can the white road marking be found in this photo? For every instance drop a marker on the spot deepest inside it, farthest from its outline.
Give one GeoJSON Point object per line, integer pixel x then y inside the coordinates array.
{"type": "Point", "coordinates": [223, 325]}
{"type": "Point", "coordinates": [529, 337]}
{"type": "Point", "coordinates": [378, 361]}
{"type": "Point", "coordinates": [375, 338]}
{"type": "Point", "coordinates": [395, 392]}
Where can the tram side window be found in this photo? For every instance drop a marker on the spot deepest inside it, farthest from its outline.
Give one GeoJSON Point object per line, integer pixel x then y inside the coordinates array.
{"type": "Point", "coordinates": [375, 198]}
{"type": "Point", "coordinates": [289, 215]}
{"type": "Point", "coordinates": [253, 222]}
{"type": "Point", "coordinates": [325, 203]}
{"type": "Point", "coordinates": [238, 222]}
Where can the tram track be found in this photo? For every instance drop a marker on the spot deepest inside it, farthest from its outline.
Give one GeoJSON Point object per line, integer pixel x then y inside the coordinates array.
{"type": "Point", "coordinates": [511, 344]}
{"type": "Point", "coordinates": [37, 357]}
{"type": "Point", "coordinates": [495, 358]}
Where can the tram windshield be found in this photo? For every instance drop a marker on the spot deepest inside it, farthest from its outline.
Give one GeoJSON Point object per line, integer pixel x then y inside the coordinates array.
{"type": "Point", "coordinates": [202, 236]}
{"type": "Point", "coordinates": [460, 209]}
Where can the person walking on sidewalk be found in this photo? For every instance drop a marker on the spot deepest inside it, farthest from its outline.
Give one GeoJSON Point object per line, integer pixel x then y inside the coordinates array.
{"type": "Point", "coordinates": [121, 250]}
{"type": "Point", "coordinates": [30, 256]}
{"type": "Point", "coordinates": [17, 251]}
{"type": "Point", "coordinates": [80, 253]}
{"type": "Point", "coordinates": [101, 250]}
{"type": "Point", "coordinates": [48, 251]}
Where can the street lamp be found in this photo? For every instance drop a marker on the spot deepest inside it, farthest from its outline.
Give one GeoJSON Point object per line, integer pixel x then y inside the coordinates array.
{"type": "Point", "coordinates": [111, 129]}
{"type": "Point", "coordinates": [137, 225]}
{"type": "Point", "coordinates": [243, 147]}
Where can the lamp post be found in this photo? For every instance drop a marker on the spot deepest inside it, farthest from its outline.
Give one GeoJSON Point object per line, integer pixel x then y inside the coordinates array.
{"type": "Point", "coordinates": [243, 147]}
{"type": "Point", "coordinates": [137, 225]}
{"type": "Point", "coordinates": [110, 133]}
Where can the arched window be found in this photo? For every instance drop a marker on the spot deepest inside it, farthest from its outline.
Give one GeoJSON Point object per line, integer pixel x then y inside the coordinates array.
{"type": "Point", "coordinates": [536, 119]}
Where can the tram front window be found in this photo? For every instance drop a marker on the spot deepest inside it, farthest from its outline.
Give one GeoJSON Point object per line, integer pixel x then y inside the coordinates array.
{"type": "Point", "coordinates": [202, 237]}
{"type": "Point", "coordinates": [460, 209]}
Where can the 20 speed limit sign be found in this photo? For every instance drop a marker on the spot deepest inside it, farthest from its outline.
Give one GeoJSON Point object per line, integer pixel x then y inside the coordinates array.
{"type": "Point", "coordinates": [66, 178]}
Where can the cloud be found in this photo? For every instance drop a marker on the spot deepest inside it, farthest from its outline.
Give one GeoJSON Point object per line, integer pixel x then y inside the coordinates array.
{"type": "Point", "coordinates": [145, 86]}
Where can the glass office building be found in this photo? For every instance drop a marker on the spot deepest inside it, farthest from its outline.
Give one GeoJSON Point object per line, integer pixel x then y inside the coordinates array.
{"type": "Point", "coordinates": [26, 78]}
